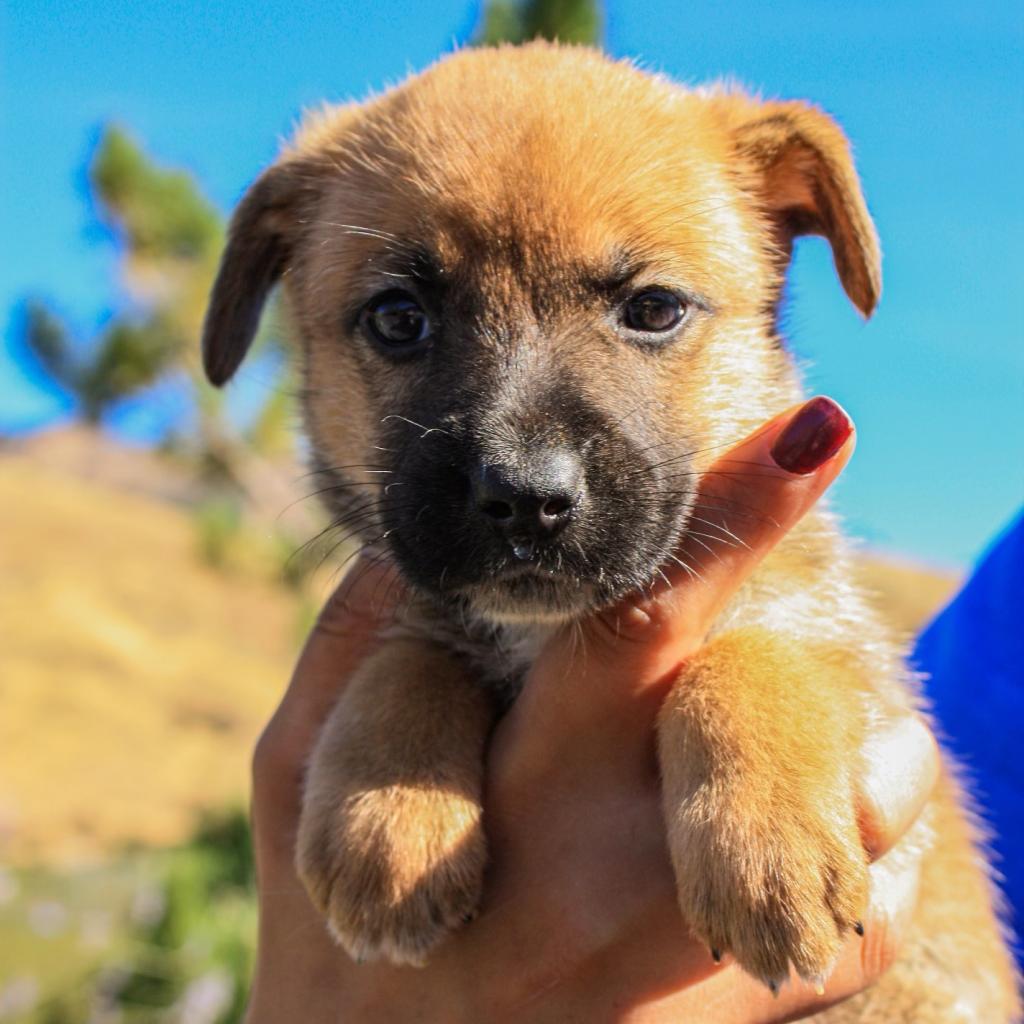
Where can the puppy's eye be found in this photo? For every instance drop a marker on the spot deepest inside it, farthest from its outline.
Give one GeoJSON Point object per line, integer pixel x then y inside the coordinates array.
{"type": "Point", "coordinates": [395, 320]}
{"type": "Point", "coordinates": [653, 311]}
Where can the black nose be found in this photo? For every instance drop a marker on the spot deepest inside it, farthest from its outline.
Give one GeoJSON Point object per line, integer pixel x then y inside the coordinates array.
{"type": "Point", "coordinates": [532, 500]}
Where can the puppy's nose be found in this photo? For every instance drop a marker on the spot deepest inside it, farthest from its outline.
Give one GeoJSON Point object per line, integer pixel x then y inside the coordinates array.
{"type": "Point", "coordinates": [533, 500]}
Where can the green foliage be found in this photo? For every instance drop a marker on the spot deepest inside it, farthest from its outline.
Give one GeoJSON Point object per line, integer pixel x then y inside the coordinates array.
{"type": "Point", "coordinates": [170, 236]}
{"type": "Point", "coordinates": [198, 947]}
{"type": "Point", "coordinates": [502, 23]}
{"type": "Point", "coordinates": [225, 841]}
{"type": "Point", "coordinates": [218, 523]}
{"type": "Point", "coordinates": [126, 357]}
{"type": "Point", "coordinates": [160, 213]}
{"type": "Point", "coordinates": [47, 337]}
{"type": "Point", "coordinates": [179, 931]}
{"type": "Point", "coordinates": [517, 21]}
{"type": "Point", "coordinates": [271, 431]}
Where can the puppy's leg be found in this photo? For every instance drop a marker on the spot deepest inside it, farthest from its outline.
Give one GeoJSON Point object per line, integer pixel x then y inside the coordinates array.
{"type": "Point", "coordinates": [758, 745]}
{"type": "Point", "coordinates": [390, 842]}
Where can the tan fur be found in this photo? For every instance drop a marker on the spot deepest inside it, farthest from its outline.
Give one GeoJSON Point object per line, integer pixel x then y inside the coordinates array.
{"type": "Point", "coordinates": [760, 810]}
{"type": "Point", "coordinates": [516, 168]}
{"type": "Point", "coordinates": [391, 845]}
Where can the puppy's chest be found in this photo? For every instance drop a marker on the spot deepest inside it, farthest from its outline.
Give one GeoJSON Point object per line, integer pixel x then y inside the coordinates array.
{"type": "Point", "coordinates": [499, 655]}
{"type": "Point", "coordinates": [502, 655]}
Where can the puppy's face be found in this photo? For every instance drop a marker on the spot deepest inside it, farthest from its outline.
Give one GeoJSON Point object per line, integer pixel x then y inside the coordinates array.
{"type": "Point", "coordinates": [532, 286]}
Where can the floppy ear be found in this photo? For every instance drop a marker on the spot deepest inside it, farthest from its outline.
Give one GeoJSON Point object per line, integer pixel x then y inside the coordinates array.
{"type": "Point", "coordinates": [809, 186]}
{"type": "Point", "coordinates": [259, 245]}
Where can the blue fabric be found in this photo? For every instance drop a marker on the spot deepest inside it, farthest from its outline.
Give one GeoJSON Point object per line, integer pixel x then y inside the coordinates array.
{"type": "Point", "coordinates": [973, 653]}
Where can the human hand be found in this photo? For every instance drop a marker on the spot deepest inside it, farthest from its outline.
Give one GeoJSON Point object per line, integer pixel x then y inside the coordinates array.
{"type": "Point", "coordinates": [580, 919]}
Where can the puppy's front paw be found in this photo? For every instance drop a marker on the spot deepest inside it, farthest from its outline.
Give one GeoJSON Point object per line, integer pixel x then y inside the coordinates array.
{"type": "Point", "coordinates": [394, 869]}
{"type": "Point", "coordinates": [757, 746]}
{"type": "Point", "coordinates": [774, 897]}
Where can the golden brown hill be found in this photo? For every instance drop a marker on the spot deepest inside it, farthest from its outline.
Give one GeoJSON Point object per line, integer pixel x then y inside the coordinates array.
{"type": "Point", "coordinates": [134, 679]}
{"type": "Point", "coordinates": [907, 593]}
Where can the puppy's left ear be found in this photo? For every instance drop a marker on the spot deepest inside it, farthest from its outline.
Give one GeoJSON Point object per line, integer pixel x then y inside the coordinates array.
{"type": "Point", "coordinates": [808, 185]}
{"type": "Point", "coordinates": [260, 241]}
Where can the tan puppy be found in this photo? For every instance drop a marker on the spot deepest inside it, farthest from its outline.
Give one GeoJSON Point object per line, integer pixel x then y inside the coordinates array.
{"type": "Point", "coordinates": [531, 286]}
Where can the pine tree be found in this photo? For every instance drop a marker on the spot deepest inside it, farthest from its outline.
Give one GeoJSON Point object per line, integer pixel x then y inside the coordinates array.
{"type": "Point", "coordinates": [169, 238]}
{"type": "Point", "coordinates": [569, 21]}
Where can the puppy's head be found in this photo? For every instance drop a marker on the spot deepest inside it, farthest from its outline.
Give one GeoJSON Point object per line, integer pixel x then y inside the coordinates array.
{"type": "Point", "coordinates": [531, 286]}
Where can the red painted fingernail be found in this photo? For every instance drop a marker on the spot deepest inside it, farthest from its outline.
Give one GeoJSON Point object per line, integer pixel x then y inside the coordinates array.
{"type": "Point", "coordinates": [812, 437]}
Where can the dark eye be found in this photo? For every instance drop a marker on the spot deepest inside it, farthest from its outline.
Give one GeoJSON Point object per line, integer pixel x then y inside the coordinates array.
{"type": "Point", "coordinates": [653, 311]}
{"type": "Point", "coordinates": [395, 320]}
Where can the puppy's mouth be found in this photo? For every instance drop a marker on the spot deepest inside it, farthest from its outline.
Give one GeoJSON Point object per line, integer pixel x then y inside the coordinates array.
{"type": "Point", "coordinates": [527, 591]}
{"type": "Point", "coordinates": [556, 583]}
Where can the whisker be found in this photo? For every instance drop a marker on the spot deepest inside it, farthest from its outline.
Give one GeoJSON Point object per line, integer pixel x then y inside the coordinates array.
{"type": "Point", "coordinates": [361, 229]}
{"type": "Point", "coordinates": [340, 469]}
{"type": "Point", "coordinates": [706, 547]}
{"type": "Point", "coordinates": [731, 507]}
{"type": "Point", "coordinates": [723, 528]}
{"type": "Point", "coordinates": [689, 568]}
{"type": "Point", "coordinates": [668, 582]}
{"type": "Point", "coordinates": [356, 518]}
{"type": "Point", "coordinates": [426, 430]}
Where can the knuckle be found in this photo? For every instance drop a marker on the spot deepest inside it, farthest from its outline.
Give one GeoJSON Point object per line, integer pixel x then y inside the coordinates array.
{"type": "Point", "coordinates": [875, 827]}
{"type": "Point", "coordinates": [263, 764]}
{"type": "Point", "coordinates": [628, 628]}
{"type": "Point", "coordinates": [880, 947]}
{"type": "Point", "coordinates": [930, 752]}
{"type": "Point", "coordinates": [890, 798]}
{"type": "Point", "coordinates": [273, 759]}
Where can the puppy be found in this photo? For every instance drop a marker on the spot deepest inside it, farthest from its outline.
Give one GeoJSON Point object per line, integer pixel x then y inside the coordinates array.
{"type": "Point", "coordinates": [529, 286]}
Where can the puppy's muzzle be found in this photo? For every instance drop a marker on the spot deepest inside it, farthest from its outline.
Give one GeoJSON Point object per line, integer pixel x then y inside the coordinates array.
{"type": "Point", "coordinates": [530, 503]}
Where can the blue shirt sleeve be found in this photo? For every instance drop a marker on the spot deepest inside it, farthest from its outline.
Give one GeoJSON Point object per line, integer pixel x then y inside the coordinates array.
{"type": "Point", "coordinates": [973, 655]}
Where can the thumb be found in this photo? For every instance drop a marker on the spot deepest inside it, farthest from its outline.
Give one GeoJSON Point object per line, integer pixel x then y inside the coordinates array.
{"type": "Point", "coordinates": [344, 634]}
{"type": "Point", "coordinates": [614, 669]}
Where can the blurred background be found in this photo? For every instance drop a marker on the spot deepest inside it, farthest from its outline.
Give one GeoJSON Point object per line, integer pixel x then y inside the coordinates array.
{"type": "Point", "coordinates": [159, 552]}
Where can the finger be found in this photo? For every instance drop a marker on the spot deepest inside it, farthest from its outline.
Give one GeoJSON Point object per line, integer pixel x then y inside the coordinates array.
{"type": "Point", "coordinates": [901, 769]}
{"type": "Point", "coordinates": [344, 634]}
{"type": "Point", "coordinates": [620, 662]}
{"type": "Point", "coordinates": [748, 500]}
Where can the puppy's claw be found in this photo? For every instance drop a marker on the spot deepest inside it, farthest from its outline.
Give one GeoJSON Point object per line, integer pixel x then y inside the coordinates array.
{"type": "Point", "coordinates": [818, 984]}
{"type": "Point", "coordinates": [716, 955]}
{"type": "Point", "coordinates": [858, 927]}
{"type": "Point", "coordinates": [773, 987]}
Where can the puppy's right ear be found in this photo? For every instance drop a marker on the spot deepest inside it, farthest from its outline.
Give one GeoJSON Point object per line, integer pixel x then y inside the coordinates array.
{"type": "Point", "coordinates": [260, 241]}
{"type": "Point", "coordinates": [807, 185]}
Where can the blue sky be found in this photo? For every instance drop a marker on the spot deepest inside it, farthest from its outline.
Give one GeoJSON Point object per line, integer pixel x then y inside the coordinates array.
{"type": "Point", "coordinates": [932, 95]}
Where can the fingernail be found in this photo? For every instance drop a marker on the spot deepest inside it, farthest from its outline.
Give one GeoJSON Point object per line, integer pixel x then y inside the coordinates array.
{"type": "Point", "coordinates": [812, 437]}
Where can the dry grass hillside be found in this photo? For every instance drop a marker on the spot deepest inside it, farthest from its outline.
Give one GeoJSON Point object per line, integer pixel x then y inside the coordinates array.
{"type": "Point", "coordinates": [908, 594]}
{"type": "Point", "coordinates": [133, 678]}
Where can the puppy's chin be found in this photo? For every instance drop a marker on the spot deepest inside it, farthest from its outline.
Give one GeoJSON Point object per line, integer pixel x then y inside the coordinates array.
{"type": "Point", "coordinates": [530, 599]}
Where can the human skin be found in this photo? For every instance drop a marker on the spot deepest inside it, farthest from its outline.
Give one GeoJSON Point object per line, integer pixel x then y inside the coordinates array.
{"type": "Point", "coordinates": [579, 920]}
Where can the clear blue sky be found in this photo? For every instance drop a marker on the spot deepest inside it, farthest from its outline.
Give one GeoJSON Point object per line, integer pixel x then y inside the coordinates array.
{"type": "Point", "coordinates": [932, 95]}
